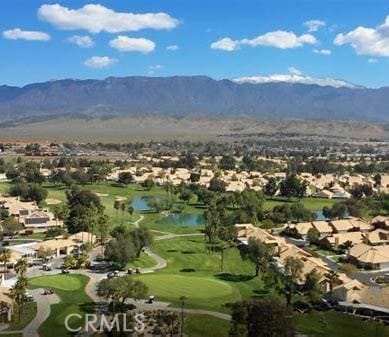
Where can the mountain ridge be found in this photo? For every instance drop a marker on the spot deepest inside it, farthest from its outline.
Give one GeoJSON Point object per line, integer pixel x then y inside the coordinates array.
{"type": "Point", "coordinates": [181, 96]}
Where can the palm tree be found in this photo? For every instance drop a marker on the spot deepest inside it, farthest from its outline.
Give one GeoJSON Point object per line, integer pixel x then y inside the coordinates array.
{"type": "Point", "coordinates": [332, 277]}
{"type": "Point", "coordinates": [130, 210]}
{"type": "Point", "coordinates": [5, 256]}
{"type": "Point", "coordinates": [21, 267]}
{"type": "Point", "coordinates": [116, 206]}
{"type": "Point", "coordinates": [18, 293]}
{"type": "Point", "coordinates": [123, 209]}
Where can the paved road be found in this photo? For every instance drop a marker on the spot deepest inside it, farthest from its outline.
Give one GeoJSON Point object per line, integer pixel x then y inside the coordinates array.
{"type": "Point", "coordinates": [362, 276]}
{"type": "Point", "coordinates": [43, 312]}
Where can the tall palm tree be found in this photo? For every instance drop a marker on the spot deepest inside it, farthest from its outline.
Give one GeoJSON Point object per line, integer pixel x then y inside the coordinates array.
{"type": "Point", "coordinates": [18, 293]}
{"type": "Point", "coordinates": [5, 256]}
{"type": "Point", "coordinates": [21, 266]}
{"type": "Point", "coordinates": [116, 206]}
{"type": "Point", "coordinates": [332, 277]}
{"type": "Point", "coordinates": [123, 209]}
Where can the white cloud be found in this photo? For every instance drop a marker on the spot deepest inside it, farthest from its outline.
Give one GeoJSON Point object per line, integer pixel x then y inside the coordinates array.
{"type": "Point", "coordinates": [277, 39]}
{"type": "Point", "coordinates": [314, 25]}
{"type": "Point", "coordinates": [367, 41]}
{"type": "Point", "coordinates": [173, 47]}
{"type": "Point", "coordinates": [281, 39]}
{"type": "Point", "coordinates": [18, 34]}
{"type": "Point", "coordinates": [294, 71]}
{"type": "Point", "coordinates": [322, 51]}
{"type": "Point", "coordinates": [372, 60]}
{"type": "Point", "coordinates": [96, 18]}
{"type": "Point", "coordinates": [156, 67]}
{"type": "Point", "coordinates": [130, 44]}
{"type": "Point", "coordinates": [225, 44]}
{"type": "Point", "coordinates": [81, 41]}
{"type": "Point", "coordinates": [99, 62]}
{"type": "Point", "coordinates": [295, 79]}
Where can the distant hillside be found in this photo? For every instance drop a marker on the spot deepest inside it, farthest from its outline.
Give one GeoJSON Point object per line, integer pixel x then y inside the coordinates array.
{"type": "Point", "coordinates": [197, 96]}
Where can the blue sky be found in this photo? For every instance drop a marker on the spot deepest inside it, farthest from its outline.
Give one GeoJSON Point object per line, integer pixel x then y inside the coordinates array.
{"type": "Point", "coordinates": [45, 40]}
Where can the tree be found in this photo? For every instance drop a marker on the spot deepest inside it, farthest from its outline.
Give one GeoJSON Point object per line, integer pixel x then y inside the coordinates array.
{"type": "Point", "coordinates": [293, 268]}
{"type": "Point", "coordinates": [18, 292]}
{"type": "Point", "coordinates": [271, 187]}
{"type": "Point", "coordinates": [332, 278]}
{"type": "Point", "coordinates": [267, 317]}
{"type": "Point", "coordinates": [360, 191]}
{"type": "Point", "coordinates": [186, 195]}
{"type": "Point", "coordinates": [116, 206]}
{"type": "Point", "coordinates": [21, 267]}
{"type": "Point", "coordinates": [125, 178]}
{"type": "Point", "coordinates": [141, 237]}
{"type": "Point", "coordinates": [258, 253]}
{"type": "Point", "coordinates": [377, 180]}
{"type": "Point", "coordinates": [293, 187]}
{"type": "Point", "coordinates": [5, 256]}
{"type": "Point", "coordinates": [312, 286]}
{"type": "Point", "coordinates": [120, 250]}
{"type": "Point", "coordinates": [84, 209]}
{"type": "Point", "coordinates": [102, 229]}
{"type": "Point", "coordinates": [69, 262]}
{"type": "Point", "coordinates": [313, 235]}
{"type": "Point", "coordinates": [149, 183]}
{"type": "Point", "coordinates": [217, 185]}
{"type": "Point", "coordinates": [120, 289]}
{"type": "Point", "coordinates": [227, 163]}
{"type": "Point", "coordinates": [130, 210]}
{"type": "Point", "coordinates": [123, 209]}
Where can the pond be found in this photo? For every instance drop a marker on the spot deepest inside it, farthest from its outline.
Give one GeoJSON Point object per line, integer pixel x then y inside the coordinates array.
{"type": "Point", "coordinates": [183, 219]}
{"type": "Point", "coordinates": [140, 204]}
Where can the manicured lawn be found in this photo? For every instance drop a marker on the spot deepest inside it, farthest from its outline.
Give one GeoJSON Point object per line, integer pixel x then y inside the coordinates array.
{"type": "Point", "coordinates": [335, 324]}
{"type": "Point", "coordinates": [27, 315]}
{"type": "Point", "coordinates": [62, 282]}
{"type": "Point", "coordinates": [70, 289]}
{"type": "Point", "coordinates": [200, 291]}
{"type": "Point", "coordinates": [144, 261]}
{"type": "Point", "coordinates": [194, 272]}
{"type": "Point", "coordinates": [204, 325]}
{"type": "Point", "coordinates": [313, 204]}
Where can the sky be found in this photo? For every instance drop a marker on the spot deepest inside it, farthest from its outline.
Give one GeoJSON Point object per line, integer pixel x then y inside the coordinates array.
{"type": "Point", "coordinates": [333, 39]}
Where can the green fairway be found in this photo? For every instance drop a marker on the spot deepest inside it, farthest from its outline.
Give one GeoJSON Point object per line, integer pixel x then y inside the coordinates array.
{"type": "Point", "coordinates": [194, 272]}
{"type": "Point", "coordinates": [196, 289]}
{"type": "Point", "coordinates": [204, 325]}
{"type": "Point", "coordinates": [336, 324]}
{"type": "Point", "coordinates": [144, 261]}
{"type": "Point", "coordinates": [62, 282]}
{"type": "Point", "coordinates": [71, 290]}
{"type": "Point", "coordinates": [313, 204]}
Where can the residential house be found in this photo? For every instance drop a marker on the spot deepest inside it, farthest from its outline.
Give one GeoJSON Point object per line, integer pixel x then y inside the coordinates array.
{"type": "Point", "coordinates": [370, 257]}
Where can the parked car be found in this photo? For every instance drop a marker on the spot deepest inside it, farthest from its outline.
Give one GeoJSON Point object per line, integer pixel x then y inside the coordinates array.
{"type": "Point", "coordinates": [48, 291]}
{"type": "Point", "coordinates": [28, 297]}
{"type": "Point", "coordinates": [113, 274]}
{"type": "Point", "coordinates": [46, 267]}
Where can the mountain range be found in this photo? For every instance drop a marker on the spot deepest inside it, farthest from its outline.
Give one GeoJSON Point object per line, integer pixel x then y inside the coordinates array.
{"type": "Point", "coordinates": [190, 96]}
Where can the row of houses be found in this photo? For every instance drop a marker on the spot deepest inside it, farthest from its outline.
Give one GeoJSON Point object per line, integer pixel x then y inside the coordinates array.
{"type": "Point", "coordinates": [346, 288]}
{"type": "Point", "coordinates": [326, 228]}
